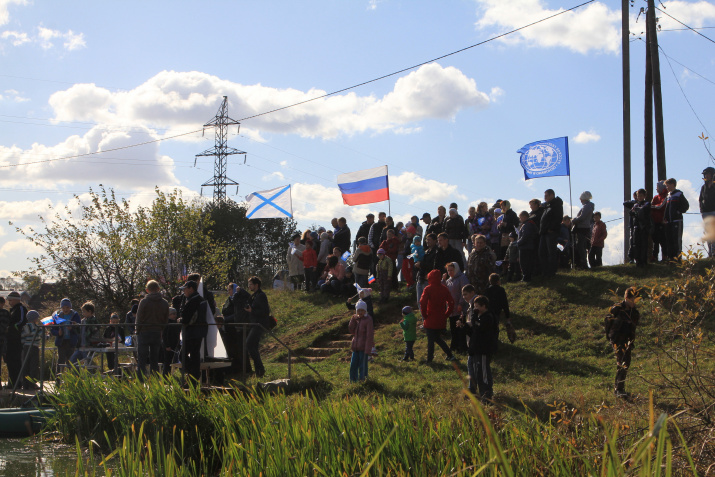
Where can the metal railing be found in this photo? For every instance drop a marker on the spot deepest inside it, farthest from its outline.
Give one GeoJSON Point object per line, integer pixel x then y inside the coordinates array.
{"type": "Point", "coordinates": [43, 331]}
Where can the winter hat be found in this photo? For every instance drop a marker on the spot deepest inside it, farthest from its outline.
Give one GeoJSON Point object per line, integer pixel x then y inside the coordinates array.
{"type": "Point", "coordinates": [660, 185]}
{"type": "Point", "coordinates": [586, 195]}
{"type": "Point", "coordinates": [407, 310]}
{"type": "Point", "coordinates": [381, 251]}
{"type": "Point", "coordinates": [367, 291]}
{"type": "Point", "coordinates": [411, 229]}
{"type": "Point", "coordinates": [65, 302]}
{"type": "Point", "coordinates": [417, 239]}
{"type": "Point", "coordinates": [361, 305]}
{"type": "Point", "coordinates": [497, 210]}
{"type": "Point", "coordinates": [453, 210]}
{"type": "Point", "coordinates": [32, 315]}
{"type": "Point", "coordinates": [13, 294]}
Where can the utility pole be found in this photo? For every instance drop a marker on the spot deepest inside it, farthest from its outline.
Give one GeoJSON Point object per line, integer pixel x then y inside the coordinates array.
{"type": "Point", "coordinates": [657, 94]}
{"type": "Point", "coordinates": [220, 151]}
{"type": "Point", "coordinates": [625, 38]}
{"type": "Point", "coordinates": [648, 117]}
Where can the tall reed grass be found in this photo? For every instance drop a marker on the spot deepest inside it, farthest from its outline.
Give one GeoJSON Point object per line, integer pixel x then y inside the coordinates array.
{"type": "Point", "coordinates": [160, 429]}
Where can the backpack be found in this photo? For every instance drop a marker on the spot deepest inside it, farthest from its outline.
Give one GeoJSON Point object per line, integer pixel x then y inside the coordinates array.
{"type": "Point", "coordinates": [683, 204]}
{"type": "Point", "coordinates": [364, 261]}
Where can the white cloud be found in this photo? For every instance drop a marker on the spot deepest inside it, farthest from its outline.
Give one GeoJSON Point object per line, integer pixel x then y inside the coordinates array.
{"type": "Point", "coordinates": [13, 95]}
{"type": "Point", "coordinates": [136, 167]}
{"type": "Point", "coordinates": [16, 38]}
{"type": "Point", "coordinates": [419, 189]}
{"type": "Point", "coordinates": [17, 210]}
{"type": "Point", "coordinates": [182, 99]}
{"type": "Point", "coordinates": [585, 137]}
{"type": "Point", "coordinates": [283, 163]}
{"type": "Point", "coordinates": [613, 247]}
{"type": "Point", "coordinates": [20, 246]}
{"type": "Point", "coordinates": [316, 203]}
{"type": "Point", "coordinates": [693, 14]}
{"type": "Point", "coordinates": [4, 11]}
{"type": "Point", "coordinates": [45, 38]}
{"type": "Point", "coordinates": [274, 175]}
{"type": "Point", "coordinates": [592, 28]}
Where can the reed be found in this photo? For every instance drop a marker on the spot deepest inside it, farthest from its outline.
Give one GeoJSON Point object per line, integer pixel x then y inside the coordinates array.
{"type": "Point", "coordinates": [160, 429]}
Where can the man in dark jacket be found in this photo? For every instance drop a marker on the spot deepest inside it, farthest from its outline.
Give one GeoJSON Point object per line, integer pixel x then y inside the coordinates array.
{"type": "Point", "coordinates": [259, 311]}
{"type": "Point", "coordinates": [341, 239]}
{"type": "Point", "coordinates": [426, 265]}
{"type": "Point", "coordinates": [208, 295]}
{"type": "Point", "coordinates": [482, 328]}
{"type": "Point", "coordinates": [13, 345]}
{"type": "Point", "coordinates": [455, 229]}
{"type": "Point", "coordinates": [549, 232]}
{"type": "Point", "coordinates": [620, 327]}
{"type": "Point", "coordinates": [364, 229]}
{"type": "Point", "coordinates": [194, 329]}
{"type": "Point", "coordinates": [447, 254]}
{"type": "Point", "coordinates": [675, 206]}
{"type": "Point", "coordinates": [373, 237]}
{"type": "Point", "coordinates": [235, 314]}
{"type": "Point", "coordinates": [707, 201]}
{"type": "Point", "coordinates": [527, 244]}
{"type": "Point", "coordinates": [4, 326]}
{"type": "Point", "coordinates": [152, 317]}
{"type": "Point", "coordinates": [640, 219]}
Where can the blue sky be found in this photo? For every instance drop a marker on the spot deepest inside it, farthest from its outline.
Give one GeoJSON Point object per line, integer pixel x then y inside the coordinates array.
{"type": "Point", "coordinates": [85, 76]}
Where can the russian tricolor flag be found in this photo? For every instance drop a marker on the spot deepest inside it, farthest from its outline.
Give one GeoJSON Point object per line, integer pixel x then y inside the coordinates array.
{"type": "Point", "coordinates": [364, 187]}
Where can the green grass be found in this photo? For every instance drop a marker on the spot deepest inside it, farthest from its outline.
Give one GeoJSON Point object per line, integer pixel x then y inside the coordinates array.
{"type": "Point", "coordinates": [554, 410]}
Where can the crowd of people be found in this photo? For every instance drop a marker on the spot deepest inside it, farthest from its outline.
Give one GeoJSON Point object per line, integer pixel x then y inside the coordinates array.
{"type": "Point", "coordinates": [455, 264]}
{"type": "Point", "coordinates": [163, 330]}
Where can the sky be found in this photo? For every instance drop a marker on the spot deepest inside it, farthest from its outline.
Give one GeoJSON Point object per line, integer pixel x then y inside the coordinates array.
{"type": "Point", "coordinates": [82, 77]}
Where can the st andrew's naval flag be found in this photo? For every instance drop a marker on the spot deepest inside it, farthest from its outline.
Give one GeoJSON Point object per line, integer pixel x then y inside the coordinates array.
{"type": "Point", "coordinates": [546, 158]}
{"type": "Point", "coordinates": [364, 187]}
{"type": "Point", "coordinates": [270, 204]}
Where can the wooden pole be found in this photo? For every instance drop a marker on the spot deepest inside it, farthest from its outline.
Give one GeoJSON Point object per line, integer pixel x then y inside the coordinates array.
{"type": "Point", "coordinates": [648, 117]}
{"type": "Point", "coordinates": [626, 73]}
{"type": "Point", "coordinates": [657, 94]}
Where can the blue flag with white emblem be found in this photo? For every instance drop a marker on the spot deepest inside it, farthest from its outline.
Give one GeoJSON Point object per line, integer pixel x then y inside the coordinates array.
{"type": "Point", "coordinates": [269, 204]}
{"type": "Point", "coordinates": [546, 158]}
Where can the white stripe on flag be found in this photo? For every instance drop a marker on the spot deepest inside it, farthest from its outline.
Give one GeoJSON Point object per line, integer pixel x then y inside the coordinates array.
{"type": "Point", "coordinates": [362, 175]}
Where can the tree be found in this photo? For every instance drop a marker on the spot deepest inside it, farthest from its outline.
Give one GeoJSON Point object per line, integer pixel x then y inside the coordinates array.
{"type": "Point", "coordinates": [180, 240]}
{"type": "Point", "coordinates": [257, 246]}
{"type": "Point", "coordinates": [97, 255]}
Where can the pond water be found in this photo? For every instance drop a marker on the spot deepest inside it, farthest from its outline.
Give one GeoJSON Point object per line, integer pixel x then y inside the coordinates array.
{"type": "Point", "coordinates": [34, 457]}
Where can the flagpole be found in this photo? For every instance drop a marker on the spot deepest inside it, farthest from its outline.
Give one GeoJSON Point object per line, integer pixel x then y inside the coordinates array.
{"type": "Point", "coordinates": [389, 203]}
{"type": "Point", "coordinates": [573, 235]}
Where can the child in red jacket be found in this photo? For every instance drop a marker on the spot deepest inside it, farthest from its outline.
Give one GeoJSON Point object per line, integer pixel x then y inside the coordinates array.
{"type": "Point", "coordinates": [310, 265]}
{"type": "Point", "coordinates": [436, 306]}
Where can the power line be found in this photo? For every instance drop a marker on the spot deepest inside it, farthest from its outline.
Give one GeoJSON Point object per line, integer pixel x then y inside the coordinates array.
{"type": "Point", "coordinates": [421, 64]}
{"type": "Point", "coordinates": [686, 26]}
{"type": "Point", "coordinates": [683, 91]}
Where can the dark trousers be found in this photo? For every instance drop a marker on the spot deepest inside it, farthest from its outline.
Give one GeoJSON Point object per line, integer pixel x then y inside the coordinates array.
{"type": "Point", "coordinates": [459, 339]}
{"type": "Point", "coordinates": [409, 353]}
{"type": "Point", "coordinates": [595, 256]}
{"type": "Point", "coordinates": [167, 356]}
{"type": "Point", "coordinates": [253, 340]}
{"type": "Point", "coordinates": [623, 362]}
{"type": "Point", "coordinates": [64, 351]}
{"type": "Point", "coordinates": [13, 360]}
{"type": "Point", "coordinates": [527, 260]}
{"type": "Point", "coordinates": [148, 350]}
{"type": "Point", "coordinates": [583, 243]}
{"type": "Point", "coordinates": [32, 365]}
{"type": "Point", "coordinates": [674, 239]}
{"type": "Point", "coordinates": [310, 278]}
{"type": "Point", "coordinates": [358, 366]}
{"type": "Point", "coordinates": [435, 336]}
{"type": "Point", "coordinates": [659, 241]}
{"type": "Point", "coordinates": [192, 357]}
{"type": "Point", "coordinates": [480, 375]}
{"type": "Point", "coordinates": [640, 244]}
{"type": "Point", "coordinates": [549, 253]}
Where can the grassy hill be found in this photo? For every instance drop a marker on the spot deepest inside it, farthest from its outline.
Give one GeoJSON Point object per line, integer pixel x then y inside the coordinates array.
{"type": "Point", "coordinates": [561, 356]}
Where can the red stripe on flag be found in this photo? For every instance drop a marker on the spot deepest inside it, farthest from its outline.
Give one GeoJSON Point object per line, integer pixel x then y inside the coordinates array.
{"type": "Point", "coordinates": [366, 197]}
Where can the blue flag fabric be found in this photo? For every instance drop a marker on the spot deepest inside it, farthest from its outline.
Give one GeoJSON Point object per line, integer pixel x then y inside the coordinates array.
{"type": "Point", "coordinates": [546, 158]}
